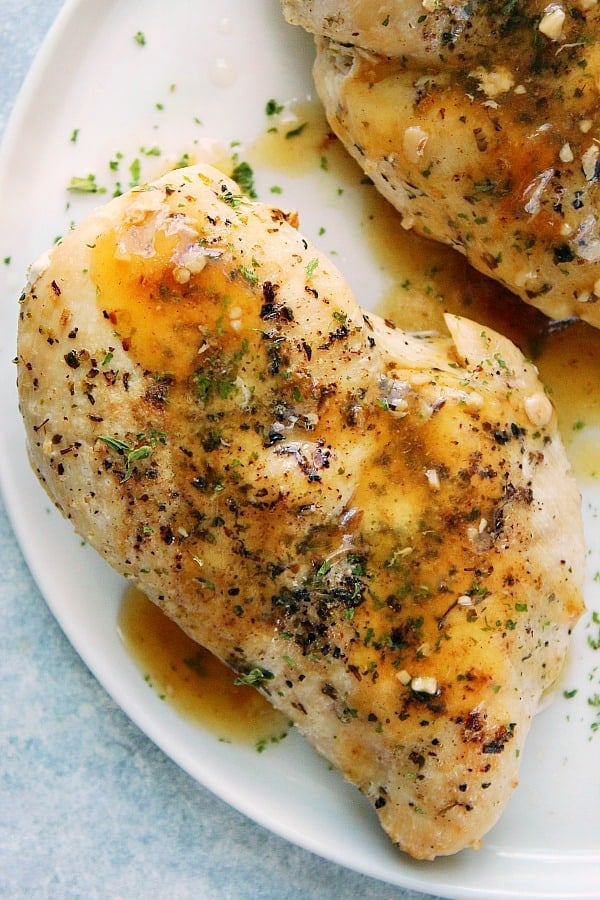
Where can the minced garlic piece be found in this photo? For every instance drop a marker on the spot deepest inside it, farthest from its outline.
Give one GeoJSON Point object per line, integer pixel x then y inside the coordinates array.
{"type": "Point", "coordinates": [566, 154]}
{"type": "Point", "coordinates": [414, 142]}
{"type": "Point", "coordinates": [589, 161]}
{"type": "Point", "coordinates": [403, 677]}
{"type": "Point", "coordinates": [538, 409]}
{"type": "Point", "coordinates": [552, 22]}
{"type": "Point", "coordinates": [235, 317]}
{"type": "Point", "coordinates": [433, 478]}
{"type": "Point", "coordinates": [425, 684]}
{"type": "Point", "coordinates": [495, 82]}
{"type": "Point", "coordinates": [181, 275]}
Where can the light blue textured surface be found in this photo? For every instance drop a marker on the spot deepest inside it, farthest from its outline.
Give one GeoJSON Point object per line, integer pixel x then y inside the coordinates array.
{"type": "Point", "coordinates": [89, 807]}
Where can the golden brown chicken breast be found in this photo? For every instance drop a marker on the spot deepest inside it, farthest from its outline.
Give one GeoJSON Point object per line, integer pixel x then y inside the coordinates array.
{"type": "Point", "coordinates": [377, 529]}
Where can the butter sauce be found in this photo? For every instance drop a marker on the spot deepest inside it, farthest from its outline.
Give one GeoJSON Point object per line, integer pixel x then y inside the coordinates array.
{"type": "Point", "coordinates": [194, 681]}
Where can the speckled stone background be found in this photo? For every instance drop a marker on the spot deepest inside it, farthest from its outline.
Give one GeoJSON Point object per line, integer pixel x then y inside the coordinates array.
{"type": "Point", "coordinates": [89, 807]}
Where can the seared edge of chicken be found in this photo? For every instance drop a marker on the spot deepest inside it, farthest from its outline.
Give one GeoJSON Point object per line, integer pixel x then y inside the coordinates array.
{"type": "Point", "coordinates": [378, 529]}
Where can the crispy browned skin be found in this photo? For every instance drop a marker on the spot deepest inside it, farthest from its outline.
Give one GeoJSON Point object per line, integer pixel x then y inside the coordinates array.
{"type": "Point", "coordinates": [381, 527]}
{"type": "Point", "coordinates": [481, 126]}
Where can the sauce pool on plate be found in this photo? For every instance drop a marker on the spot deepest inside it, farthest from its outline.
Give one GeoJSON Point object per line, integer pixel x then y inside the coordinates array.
{"type": "Point", "coordinates": [194, 681]}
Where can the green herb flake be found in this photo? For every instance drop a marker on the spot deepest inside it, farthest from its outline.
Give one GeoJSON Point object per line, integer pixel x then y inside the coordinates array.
{"type": "Point", "coordinates": [134, 453]}
{"type": "Point", "coordinates": [74, 135]}
{"type": "Point", "coordinates": [323, 569]}
{"type": "Point", "coordinates": [273, 108]}
{"type": "Point", "coordinates": [311, 268]}
{"type": "Point", "coordinates": [295, 132]}
{"type": "Point", "coordinates": [196, 664]}
{"type": "Point", "coordinates": [594, 642]}
{"type": "Point", "coordinates": [183, 161]}
{"type": "Point", "coordinates": [248, 274]}
{"type": "Point", "coordinates": [254, 677]}
{"type": "Point", "coordinates": [243, 176]}
{"type": "Point", "coordinates": [135, 170]}
{"type": "Point", "coordinates": [85, 185]}
{"type": "Point", "coordinates": [233, 200]}
{"type": "Point", "coordinates": [140, 38]}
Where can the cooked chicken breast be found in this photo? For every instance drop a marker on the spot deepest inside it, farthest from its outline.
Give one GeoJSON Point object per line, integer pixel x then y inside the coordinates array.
{"type": "Point", "coordinates": [377, 529]}
{"type": "Point", "coordinates": [492, 150]}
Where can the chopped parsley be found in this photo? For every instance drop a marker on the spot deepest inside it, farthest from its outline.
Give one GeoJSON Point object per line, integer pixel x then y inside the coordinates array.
{"type": "Point", "coordinates": [135, 170]}
{"type": "Point", "coordinates": [296, 132]}
{"type": "Point", "coordinates": [142, 449]}
{"type": "Point", "coordinates": [85, 185]}
{"type": "Point", "coordinates": [254, 677]}
{"type": "Point", "coordinates": [311, 268]}
{"type": "Point", "coordinates": [273, 108]}
{"type": "Point", "coordinates": [244, 177]}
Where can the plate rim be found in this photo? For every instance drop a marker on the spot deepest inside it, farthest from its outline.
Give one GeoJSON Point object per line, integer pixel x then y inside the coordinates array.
{"type": "Point", "coordinates": [66, 19]}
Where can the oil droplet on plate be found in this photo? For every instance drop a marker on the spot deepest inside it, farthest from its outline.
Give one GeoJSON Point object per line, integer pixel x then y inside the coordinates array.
{"type": "Point", "coordinates": [222, 72]}
{"type": "Point", "coordinates": [226, 25]}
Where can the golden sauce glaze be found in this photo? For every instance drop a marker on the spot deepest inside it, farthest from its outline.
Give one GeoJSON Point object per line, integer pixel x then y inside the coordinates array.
{"type": "Point", "coordinates": [426, 280]}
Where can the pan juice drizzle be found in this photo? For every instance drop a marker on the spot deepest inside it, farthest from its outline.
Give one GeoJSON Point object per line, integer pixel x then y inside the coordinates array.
{"type": "Point", "coordinates": [194, 681]}
{"type": "Point", "coordinates": [425, 280]}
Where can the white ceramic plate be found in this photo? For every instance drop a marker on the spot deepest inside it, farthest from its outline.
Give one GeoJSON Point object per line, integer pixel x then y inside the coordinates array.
{"type": "Point", "coordinates": [206, 71]}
